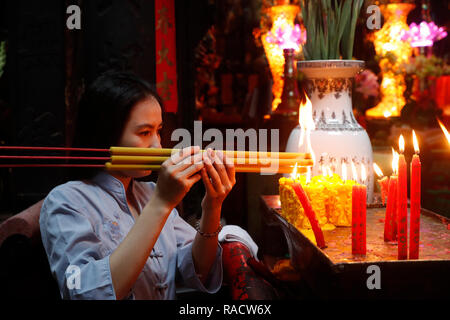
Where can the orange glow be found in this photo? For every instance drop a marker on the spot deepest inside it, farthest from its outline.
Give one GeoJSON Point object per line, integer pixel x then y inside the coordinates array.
{"type": "Point", "coordinates": [387, 40]}
{"type": "Point", "coordinates": [415, 143]}
{"type": "Point", "coordinates": [282, 16]}
{"type": "Point", "coordinates": [377, 170]}
{"type": "Point", "coordinates": [447, 135]}
{"type": "Point", "coordinates": [401, 144]}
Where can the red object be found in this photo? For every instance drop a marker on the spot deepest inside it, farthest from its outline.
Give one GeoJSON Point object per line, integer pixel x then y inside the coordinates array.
{"type": "Point", "coordinates": [239, 273]}
{"type": "Point", "coordinates": [442, 94]}
{"type": "Point", "coordinates": [301, 194]}
{"type": "Point", "coordinates": [384, 186]}
{"type": "Point", "coordinates": [362, 218]}
{"type": "Point", "coordinates": [414, 231]}
{"type": "Point", "coordinates": [234, 258]}
{"type": "Point", "coordinates": [51, 148]}
{"type": "Point", "coordinates": [391, 211]}
{"type": "Point", "coordinates": [55, 165]}
{"type": "Point", "coordinates": [402, 209]}
{"type": "Point", "coordinates": [54, 158]}
{"type": "Point", "coordinates": [166, 63]}
{"type": "Point", "coordinates": [356, 225]}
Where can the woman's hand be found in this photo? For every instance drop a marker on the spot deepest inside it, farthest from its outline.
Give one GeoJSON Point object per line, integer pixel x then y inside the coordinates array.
{"type": "Point", "coordinates": [218, 175]}
{"type": "Point", "coordinates": [177, 175]}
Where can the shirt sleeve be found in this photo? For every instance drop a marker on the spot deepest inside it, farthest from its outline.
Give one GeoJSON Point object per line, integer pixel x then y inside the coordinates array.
{"type": "Point", "coordinates": [75, 253]}
{"type": "Point", "coordinates": [185, 235]}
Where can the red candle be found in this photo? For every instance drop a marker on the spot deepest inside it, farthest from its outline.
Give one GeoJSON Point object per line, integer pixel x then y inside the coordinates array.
{"type": "Point", "coordinates": [356, 214]}
{"type": "Point", "coordinates": [355, 218]}
{"type": "Point", "coordinates": [301, 194]}
{"type": "Point", "coordinates": [414, 224]}
{"type": "Point", "coordinates": [391, 208]}
{"type": "Point", "coordinates": [362, 211]}
{"type": "Point", "coordinates": [402, 204]}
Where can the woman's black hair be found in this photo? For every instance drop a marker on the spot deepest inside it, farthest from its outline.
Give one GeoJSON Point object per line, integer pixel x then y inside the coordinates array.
{"type": "Point", "coordinates": [104, 110]}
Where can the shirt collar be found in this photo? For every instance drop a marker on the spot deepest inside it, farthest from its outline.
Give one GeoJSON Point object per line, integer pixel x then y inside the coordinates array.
{"type": "Point", "coordinates": [111, 183]}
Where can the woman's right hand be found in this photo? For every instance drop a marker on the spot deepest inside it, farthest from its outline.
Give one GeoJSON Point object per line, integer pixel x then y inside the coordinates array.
{"type": "Point", "coordinates": [177, 175]}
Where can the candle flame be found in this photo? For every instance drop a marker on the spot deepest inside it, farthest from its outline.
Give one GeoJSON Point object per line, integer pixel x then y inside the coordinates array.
{"type": "Point", "coordinates": [401, 144]}
{"type": "Point", "coordinates": [355, 174]}
{"type": "Point", "coordinates": [377, 170]}
{"type": "Point", "coordinates": [330, 172]}
{"type": "Point", "coordinates": [394, 162]}
{"type": "Point", "coordinates": [415, 143]}
{"type": "Point", "coordinates": [344, 171]}
{"type": "Point", "coordinates": [447, 135]}
{"type": "Point", "coordinates": [294, 172]}
{"type": "Point", "coordinates": [305, 118]}
{"type": "Point", "coordinates": [363, 173]}
{"type": "Point", "coordinates": [308, 174]}
{"type": "Point", "coordinates": [306, 123]}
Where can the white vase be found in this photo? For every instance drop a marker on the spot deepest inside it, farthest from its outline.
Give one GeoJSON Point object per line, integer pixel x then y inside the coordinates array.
{"type": "Point", "coordinates": [337, 137]}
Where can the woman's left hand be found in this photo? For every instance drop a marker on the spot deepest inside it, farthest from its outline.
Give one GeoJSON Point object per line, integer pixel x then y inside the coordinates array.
{"type": "Point", "coordinates": [218, 176]}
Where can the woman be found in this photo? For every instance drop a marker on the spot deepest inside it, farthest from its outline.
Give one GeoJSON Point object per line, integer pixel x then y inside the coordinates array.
{"type": "Point", "coordinates": [112, 237]}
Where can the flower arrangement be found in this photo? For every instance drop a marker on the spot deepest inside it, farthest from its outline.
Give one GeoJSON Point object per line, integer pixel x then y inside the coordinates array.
{"type": "Point", "coordinates": [330, 27]}
{"type": "Point", "coordinates": [424, 34]}
{"type": "Point", "coordinates": [367, 84]}
{"type": "Point", "coordinates": [287, 38]}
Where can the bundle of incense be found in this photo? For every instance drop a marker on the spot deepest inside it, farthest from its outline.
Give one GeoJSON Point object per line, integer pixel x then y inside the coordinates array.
{"type": "Point", "coordinates": [129, 158]}
{"type": "Point", "coordinates": [230, 153]}
{"type": "Point", "coordinates": [124, 158]}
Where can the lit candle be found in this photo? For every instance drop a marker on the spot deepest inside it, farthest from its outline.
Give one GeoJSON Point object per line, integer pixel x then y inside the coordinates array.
{"type": "Point", "coordinates": [414, 224]}
{"type": "Point", "coordinates": [390, 225]}
{"type": "Point", "coordinates": [363, 210]}
{"type": "Point", "coordinates": [356, 228]}
{"type": "Point", "coordinates": [383, 182]}
{"type": "Point", "coordinates": [402, 204]}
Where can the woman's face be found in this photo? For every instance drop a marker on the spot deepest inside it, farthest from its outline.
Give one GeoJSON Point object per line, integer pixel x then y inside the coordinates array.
{"type": "Point", "coordinates": [142, 130]}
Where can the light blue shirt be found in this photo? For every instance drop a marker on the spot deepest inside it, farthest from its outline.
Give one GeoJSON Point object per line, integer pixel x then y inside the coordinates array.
{"type": "Point", "coordinates": [83, 222]}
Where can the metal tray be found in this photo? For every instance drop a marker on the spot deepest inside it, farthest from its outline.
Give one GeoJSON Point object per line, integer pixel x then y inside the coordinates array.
{"type": "Point", "coordinates": [335, 272]}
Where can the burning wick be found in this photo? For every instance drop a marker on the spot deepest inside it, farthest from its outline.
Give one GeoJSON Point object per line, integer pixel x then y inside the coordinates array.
{"type": "Point", "coordinates": [378, 170]}
{"type": "Point", "coordinates": [363, 174]}
{"type": "Point", "coordinates": [383, 182]}
{"type": "Point", "coordinates": [447, 135]}
{"type": "Point", "coordinates": [294, 174]}
{"type": "Point", "coordinates": [394, 162]}
{"type": "Point", "coordinates": [415, 143]}
{"type": "Point", "coordinates": [355, 174]}
{"type": "Point", "coordinates": [308, 175]}
{"type": "Point", "coordinates": [401, 144]}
